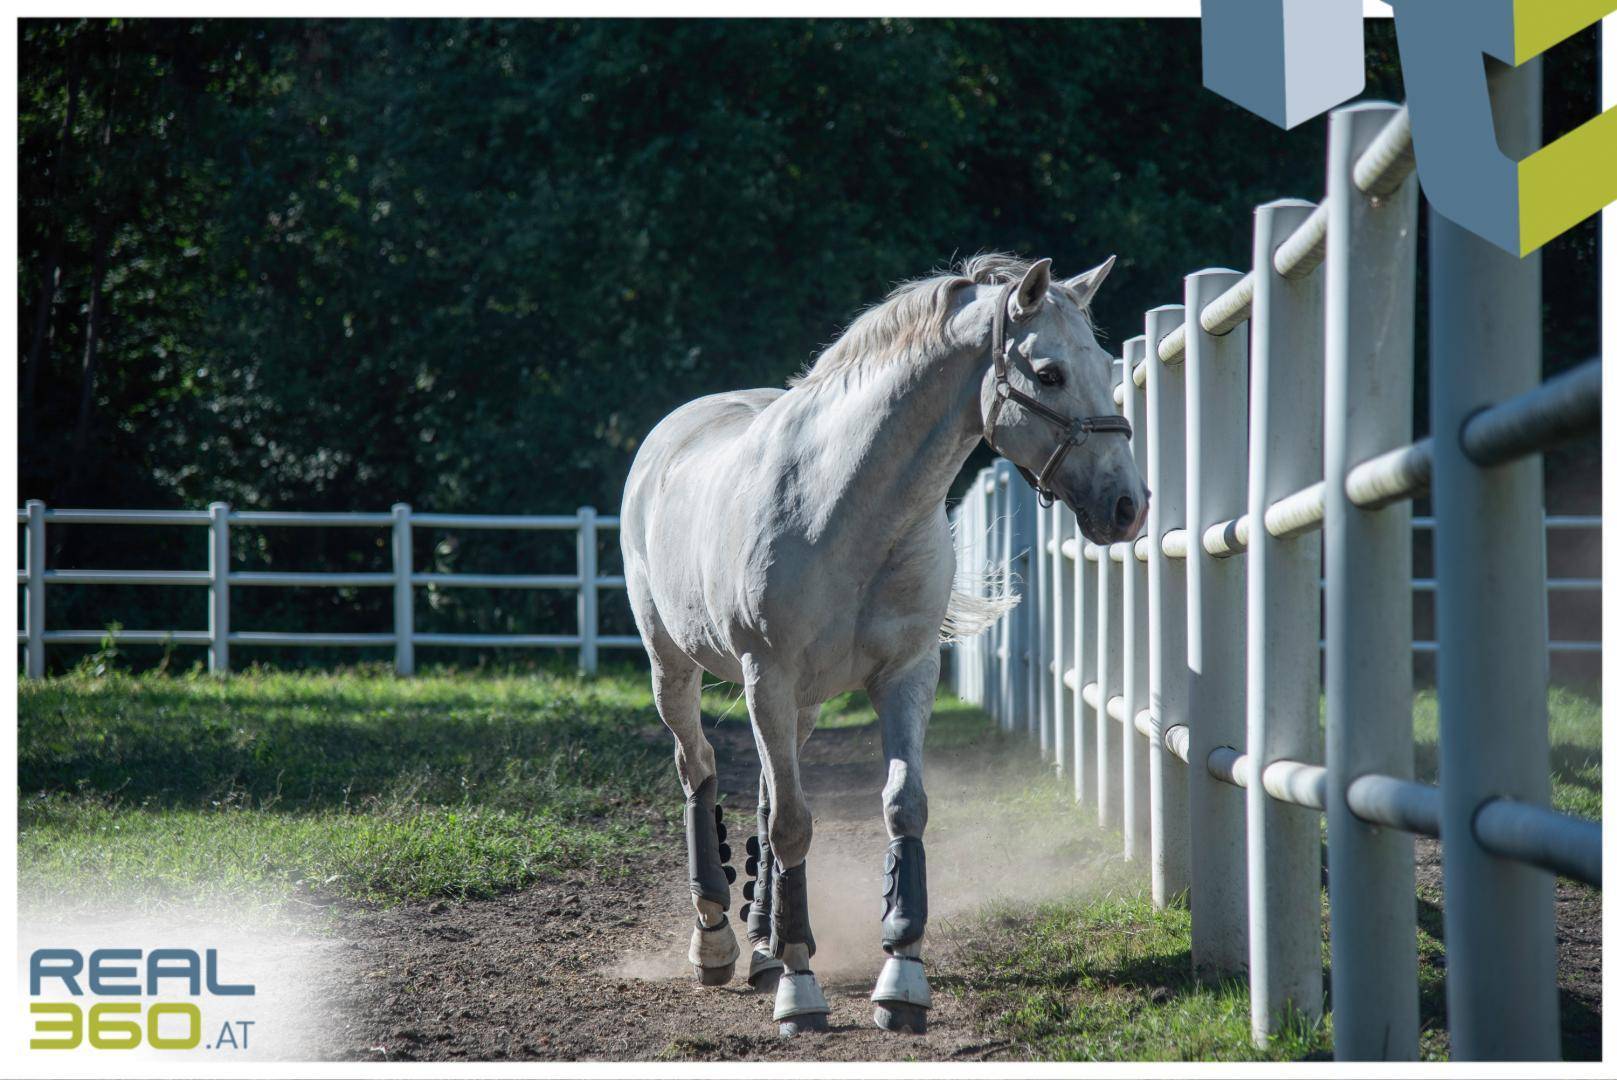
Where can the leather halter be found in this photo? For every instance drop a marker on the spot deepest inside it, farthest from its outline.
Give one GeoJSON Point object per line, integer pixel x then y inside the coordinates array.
{"type": "Point", "coordinates": [1075, 430]}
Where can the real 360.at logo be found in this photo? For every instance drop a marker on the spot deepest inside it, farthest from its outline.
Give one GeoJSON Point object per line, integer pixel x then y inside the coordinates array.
{"type": "Point", "coordinates": [123, 999]}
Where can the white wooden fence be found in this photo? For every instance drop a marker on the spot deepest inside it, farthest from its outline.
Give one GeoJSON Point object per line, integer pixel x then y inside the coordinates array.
{"type": "Point", "coordinates": [1175, 679]}
{"type": "Point", "coordinates": [402, 578]}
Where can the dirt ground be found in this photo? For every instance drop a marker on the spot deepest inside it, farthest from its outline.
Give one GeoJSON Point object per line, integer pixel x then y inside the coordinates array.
{"type": "Point", "coordinates": [1577, 946]}
{"type": "Point", "coordinates": [593, 968]}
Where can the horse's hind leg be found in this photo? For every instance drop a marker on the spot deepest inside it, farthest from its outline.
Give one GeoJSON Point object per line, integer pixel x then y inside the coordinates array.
{"type": "Point", "coordinates": [799, 1004]}
{"type": "Point", "coordinates": [904, 705]}
{"type": "Point", "coordinates": [764, 970]}
{"type": "Point", "coordinates": [677, 688]}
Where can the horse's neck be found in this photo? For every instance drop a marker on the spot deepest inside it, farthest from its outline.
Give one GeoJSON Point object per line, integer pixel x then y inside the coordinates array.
{"type": "Point", "coordinates": [895, 443]}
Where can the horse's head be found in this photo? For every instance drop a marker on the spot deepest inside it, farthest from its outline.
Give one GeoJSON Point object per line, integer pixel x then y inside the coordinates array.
{"type": "Point", "coordinates": [1047, 404]}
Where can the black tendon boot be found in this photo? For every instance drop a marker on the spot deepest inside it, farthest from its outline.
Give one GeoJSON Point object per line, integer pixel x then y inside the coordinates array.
{"type": "Point", "coordinates": [903, 917]}
{"type": "Point", "coordinates": [799, 1004]}
{"type": "Point", "coordinates": [713, 949]}
{"type": "Point", "coordinates": [902, 996]}
{"type": "Point", "coordinates": [705, 850]}
{"type": "Point", "coordinates": [764, 970]}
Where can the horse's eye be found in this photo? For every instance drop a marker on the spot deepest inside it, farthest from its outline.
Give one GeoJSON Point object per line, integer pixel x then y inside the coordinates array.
{"type": "Point", "coordinates": [1050, 375]}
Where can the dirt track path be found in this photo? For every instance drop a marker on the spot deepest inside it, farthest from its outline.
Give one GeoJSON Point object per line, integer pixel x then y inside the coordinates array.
{"type": "Point", "coordinates": [596, 969]}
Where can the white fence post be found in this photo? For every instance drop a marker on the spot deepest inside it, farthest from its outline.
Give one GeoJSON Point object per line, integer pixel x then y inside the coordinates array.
{"type": "Point", "coordinates": [403, 591]}
{"type": "Point", "coordinates": [1108, 684]}
{"type": "Point", "coordinates": [1062, 572]}
{"type": "Point", "coordinates": [1023, 706]}
{"type": "Point", "coordinates": [588, 598]}
{"type": "Point", "coordinates": [1085, 630]}
{"type": "Point", "coordinates": [1039, 657]}
{"type": "Point", "coordinates": [1492, 675]}
{"type": "Point", "coordinates": [219, 588]}
{"type": "Point", "coordinates": [1215, 647]}
{"type": "Point", "coordinates": [1136, 642]}
{"type": "Point", "coordinates": [1369, 360]}
{"type": "Point", "coordinates": [34, 554]}
{"type": "Point", "coordinates": [1165, 579]}
{"type": "Point", "coordinates": [1283, 611]}
{"type": "Point", "coordinates": [967, 570]}
{"type": "Point", "coordinates": [1004, 521]}
{"type": "Point", "coordinates": [996, 630]}
{"type": "Point", "coordinates": [983, 558]}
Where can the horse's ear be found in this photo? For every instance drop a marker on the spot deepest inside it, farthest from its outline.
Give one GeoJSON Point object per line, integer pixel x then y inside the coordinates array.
{"type": "Point", "coordinates": [1087, 284]}
{"type": "Point", "coordinates": [1031, 291]}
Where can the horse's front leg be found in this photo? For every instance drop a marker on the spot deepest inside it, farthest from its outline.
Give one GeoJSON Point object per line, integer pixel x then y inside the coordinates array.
{"type": "Point", "coordinates": [903, 702]}
{"type": "Point", "coordinates": [799, 1003]}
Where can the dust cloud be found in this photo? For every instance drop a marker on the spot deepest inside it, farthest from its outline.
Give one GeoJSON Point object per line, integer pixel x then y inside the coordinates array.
{"type": "Point", "coordinates": [986, 843]}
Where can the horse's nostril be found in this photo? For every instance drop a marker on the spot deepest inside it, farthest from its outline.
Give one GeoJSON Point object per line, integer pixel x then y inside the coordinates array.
{"type": "Point", "coordinates": [1124, 516]}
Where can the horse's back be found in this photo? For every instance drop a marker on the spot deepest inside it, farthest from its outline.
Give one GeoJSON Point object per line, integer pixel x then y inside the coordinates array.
{"type": "Point", "coordinates": [696, 433]}
{"type": "Point", "coordinates": [682, 482]}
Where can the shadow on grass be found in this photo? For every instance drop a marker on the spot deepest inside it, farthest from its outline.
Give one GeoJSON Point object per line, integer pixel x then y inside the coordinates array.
{"type": "Point", "coordinates": [200, 744]}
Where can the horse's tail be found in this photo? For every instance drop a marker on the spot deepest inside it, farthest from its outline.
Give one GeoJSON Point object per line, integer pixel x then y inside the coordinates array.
{"type": "Point", "coordinates": [977, 601]}
{"type": "Point", "coordinates": [970, 615]}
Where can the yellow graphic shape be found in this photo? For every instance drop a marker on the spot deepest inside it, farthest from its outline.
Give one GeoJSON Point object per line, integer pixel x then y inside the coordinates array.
{"type": "Point", "coordinates": [1573, 177]}
{"type": "Point", "coordinates": [1542, 24]}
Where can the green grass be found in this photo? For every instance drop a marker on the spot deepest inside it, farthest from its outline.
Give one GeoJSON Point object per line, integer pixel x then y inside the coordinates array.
{"type": "Point", "coordinates": [354, 785]}
{"type": "Point", "coordinates": [359, 786]}
{"type": "Point", "coordinates": [1105, 976]}
{"type": "Point", "coordinates": [1109, 978]}
{"type": "Point", "coordinates": [1574, 748]}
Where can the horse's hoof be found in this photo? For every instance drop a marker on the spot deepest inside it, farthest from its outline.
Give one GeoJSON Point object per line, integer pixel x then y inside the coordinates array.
{"type": "Point", "coordinates": [806, 1022]}
{"type": "Point", "coordinates": [764, 972]}
{"type": "Point", "coordinates": [898, 1017]}
{"type": "Point", "coordinates": [713, 953]}
{"type": "Point", "coordinates": [799, 1004]}
{"type": "Point", "coordinates": [716, 976]}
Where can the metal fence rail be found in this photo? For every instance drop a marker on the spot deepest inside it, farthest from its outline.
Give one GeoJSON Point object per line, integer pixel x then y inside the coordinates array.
{"type": "Point", "coordinates": [219, 579]}
{"type": "Point", "coordinates": [1270, 494]}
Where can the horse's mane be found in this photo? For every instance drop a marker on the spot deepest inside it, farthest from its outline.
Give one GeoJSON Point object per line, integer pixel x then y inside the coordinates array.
{"type": "Point", "coordinates": [907, 326]}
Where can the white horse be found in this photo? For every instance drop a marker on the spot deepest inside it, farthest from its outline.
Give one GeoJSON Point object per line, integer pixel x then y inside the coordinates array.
{"type": "Point", "coordinates": [795, 541]}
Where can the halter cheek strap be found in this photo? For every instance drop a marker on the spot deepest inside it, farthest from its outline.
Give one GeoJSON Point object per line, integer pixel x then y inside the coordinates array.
{"type": "Point", "coordinates": [1075, 430]}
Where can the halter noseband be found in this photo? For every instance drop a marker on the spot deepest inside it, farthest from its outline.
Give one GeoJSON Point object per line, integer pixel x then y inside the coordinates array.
{"type": "Point", "coordinates": [1075, 429]}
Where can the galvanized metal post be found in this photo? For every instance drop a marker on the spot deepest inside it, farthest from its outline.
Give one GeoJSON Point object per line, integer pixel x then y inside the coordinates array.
{"type": "Point", "coordinates": [1215, 645]}
{"type": "Point", "coordinates": [1136, 644]}
{"type": "Point", "coordinates": [34, 556]}
{"type": "Point", "coordinates": [1282, 612]}
{"type": "Point", "coordinates": [219, 588]}
{"type": "Point", "coordinates": [1085, 632]}
{"type": "Point", "coordinates": [1369, 360]}
{"type": "Point", "coordinates": [1492, 674]}
{"type": "Point", "coordinates": [403, 591]}
{"type": "Point", "coordinates": [1165, 580]}
{"type": "Point", "coordinates": [1062, 572]}
{"type": "Point", "coordinates": [588, 597]}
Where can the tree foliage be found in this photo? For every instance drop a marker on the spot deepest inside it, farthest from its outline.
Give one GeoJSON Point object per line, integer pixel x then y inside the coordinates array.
{"type": "Point", "coordinates": [468, 264]}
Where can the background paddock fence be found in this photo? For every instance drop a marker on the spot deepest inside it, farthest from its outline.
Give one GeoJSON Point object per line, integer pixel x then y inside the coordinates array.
{"type": "Point", "coordinates": [402, 579]}
{"type": "Point", "coordinates": [1176, 678]}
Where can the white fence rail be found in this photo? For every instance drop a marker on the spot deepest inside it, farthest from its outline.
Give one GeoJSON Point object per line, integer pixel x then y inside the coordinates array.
{"type": "Point", "coordinates": [1175, 679]}
{"type": "Point", "coordinates": [402, 578]}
